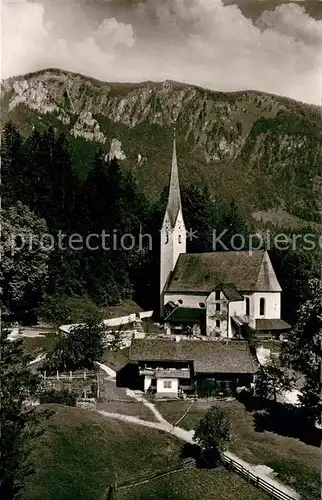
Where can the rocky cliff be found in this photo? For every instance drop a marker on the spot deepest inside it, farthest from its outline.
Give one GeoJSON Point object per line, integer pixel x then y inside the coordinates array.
{"type": "Point", "coordinates": [263, 150]}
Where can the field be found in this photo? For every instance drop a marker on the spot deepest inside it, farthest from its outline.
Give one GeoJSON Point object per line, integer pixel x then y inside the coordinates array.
{"type": "Point", "coordinates": [126, 307]}
{"type": "Point", "coordinates": [115, 359]}
{"type": "Point", "coordinates": [115, 400]}
{"type": "Point", "coordinates": [81, 453]}
{"type": "Point", "coordinates": [196, 484]}
{"type": "Point", "coordinates": [296, 463]}
{"type": "Point", "coordinates": [38, 345]}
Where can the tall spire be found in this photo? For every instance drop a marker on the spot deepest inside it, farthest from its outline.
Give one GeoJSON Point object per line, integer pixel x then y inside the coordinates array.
{"type": "Point", "coordinates": [174, 200]}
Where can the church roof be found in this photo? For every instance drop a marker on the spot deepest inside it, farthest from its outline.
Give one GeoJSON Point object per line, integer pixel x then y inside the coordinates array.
{"type": "Point", "coordinates": [207, 356]}
{"type": "Point", "coordinates": [186, 315]}
{"type": "Point", "coordinates": [271, 324]}
{"type": "Point", "coordinates": [204, 272]}
{"type": "Point", "coordinates": [230, 292]}
{"type": "Point", "coordinates": [174, 200]}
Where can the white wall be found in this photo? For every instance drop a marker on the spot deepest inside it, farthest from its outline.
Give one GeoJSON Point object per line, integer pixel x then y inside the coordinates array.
{"type": "Point", "coordinates": [166, 252]}
{"type": "Point", "coordinates": [120, 320]}
{"type": "Point", "coordinates": [147, 382]}
{"type": "Point", "coordinates": [212, 315]}
{"type": "Point", "coordinates": [179, 239]}
{"type": "Point", "coordinates": [237, 308]}
{"type": "Point", "coordinates": [165, 390]}
{"type": "Point", "coordinates": [145, 314]}
{"type": "Point", "coordinates": [171, 249]}
{"type": "Point", "coordinates": [272, 304]}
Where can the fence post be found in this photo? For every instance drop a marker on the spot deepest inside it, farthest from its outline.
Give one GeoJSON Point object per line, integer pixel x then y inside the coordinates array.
{"type": "Point", "coordinates": [57, 375]}
{"type": "Point", "coordinates": [84, 375]}
{"type": "Point", "coordinates": [110, 493]}
{"type": "Point", "coordinates": [98, 387]}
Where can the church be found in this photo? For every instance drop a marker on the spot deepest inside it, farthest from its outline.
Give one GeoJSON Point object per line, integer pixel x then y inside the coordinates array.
{"type": "Point", "coordinates": [210, 303]}
{"type": "Point", "coordinates": [219, 295]}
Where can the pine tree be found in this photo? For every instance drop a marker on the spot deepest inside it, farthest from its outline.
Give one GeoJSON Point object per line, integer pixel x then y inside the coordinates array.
{"type": "Point", "coordinates": [199, 213]}
{"type": "Point", "coordinates": [24, 258]}
{"type": "Point", "coordinates": [302, 352]}
{"type": "Point", "coordinates": [18, 421]}
{"type": "Point", "coordinates": [14, 178]}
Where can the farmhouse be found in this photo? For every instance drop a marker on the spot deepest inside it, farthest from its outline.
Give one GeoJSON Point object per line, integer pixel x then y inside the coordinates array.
{"type": "Point", "coordinates": [170, 367]}
{"type": "Point", "coordinates": [216, 294]}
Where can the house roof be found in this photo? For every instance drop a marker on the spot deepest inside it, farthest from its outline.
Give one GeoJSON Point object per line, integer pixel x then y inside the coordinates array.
{"type": "Point", "coordinates": [204, 272]}
{"type": "Point", "coordinates": [271, 324]}
{"type": "Point", "coordinates": [230, 292]}
{"type": "Point", "coordinates": [174, 199]}
{"type": "Point", "coordinates": [172, 373]}
{"type": "Point", "coordinates": [186, 315]}
{"type": "Point", "coordinates": [218, 356]}
{"type": "Point", "coordinates": [240, 320]}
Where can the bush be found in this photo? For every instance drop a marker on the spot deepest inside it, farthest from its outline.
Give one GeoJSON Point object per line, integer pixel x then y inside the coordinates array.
{"type": "Point", "coordinates": [64, 397]}
{"type": "Point", "coordinates": [62, 309]}
{"type": "Point", "coordinates": [212, 434]}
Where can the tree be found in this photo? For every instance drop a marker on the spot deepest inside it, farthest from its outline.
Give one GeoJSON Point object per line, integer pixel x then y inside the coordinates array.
{"type": "Point", "coordinates": [213, 434]}
{"type": "Point", "coordinates": [198, 214]}
{"type": "Point", "coordinates": [62, 309]}
{"type": "Point", "coordinates": [13, 166]}
{"type": "Point", "coordinates": [78, 349]}
{"type": "Point", "coordinates": [294, 269]}
{"type": "Point", "coordinates": [233, 222]}
{"type": "Point", "coordinates": [19, 422]}
{"type": "Point", "coordinates": [302, 352]}
{"type": "Point", "coordinates": [62, 397]}
{"type": "Point", "coordinates": [25, 254]}
{"type": "Point", "coordinates": [272, 380]}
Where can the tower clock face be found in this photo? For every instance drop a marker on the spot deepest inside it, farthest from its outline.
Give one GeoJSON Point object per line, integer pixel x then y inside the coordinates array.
{"type": "Point", "coordinates": [166, 231]}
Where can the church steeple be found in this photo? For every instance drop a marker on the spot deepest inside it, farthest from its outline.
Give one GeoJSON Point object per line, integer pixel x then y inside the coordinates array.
{"type": "Point", "coordinates": [173, 231]}
{"type": "Point", "coordinates": [174, 200]}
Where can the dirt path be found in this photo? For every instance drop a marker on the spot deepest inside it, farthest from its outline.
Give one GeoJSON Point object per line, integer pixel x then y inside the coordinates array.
{"type": "Point", "coordinates": [106, 369]}
{"type": "Point", "coordinates": [165, 426]}
{"type": "Point", "coordinates": [187, 436]}
{"type": "Point", "coordinates": [146, 403]}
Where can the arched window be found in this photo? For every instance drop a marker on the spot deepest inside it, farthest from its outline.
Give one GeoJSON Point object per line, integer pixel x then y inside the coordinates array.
{"type": "Point", "coordinates": [179, 238]}
{"type": "Point", "coordinates": [166, 237]}
{"type": "Point", "coordinates": [247, 306]}
{"type": "Point", "coordinates": [262, 307]}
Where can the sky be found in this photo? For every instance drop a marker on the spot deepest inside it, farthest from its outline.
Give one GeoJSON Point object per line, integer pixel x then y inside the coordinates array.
{"type": "Point", "coordinates": [266, 45]}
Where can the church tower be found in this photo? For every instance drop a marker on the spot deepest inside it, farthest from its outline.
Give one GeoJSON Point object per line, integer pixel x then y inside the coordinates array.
{"type": "Point", "coordinates": [173, 231]}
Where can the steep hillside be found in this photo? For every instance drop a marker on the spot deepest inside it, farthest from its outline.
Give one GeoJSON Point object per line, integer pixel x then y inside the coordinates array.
{"type": "Point", "coordinates": [263, 150]}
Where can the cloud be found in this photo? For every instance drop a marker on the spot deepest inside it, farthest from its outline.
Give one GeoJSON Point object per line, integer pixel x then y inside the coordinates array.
{"type": "Point", "coordinates": [29, 42]}
{"type": "Point", "coordinates": [293, 21]}
{"type": "Point", "coordinates": [225, 50]}
{"type": "Point", "coordinates": [196, 41]}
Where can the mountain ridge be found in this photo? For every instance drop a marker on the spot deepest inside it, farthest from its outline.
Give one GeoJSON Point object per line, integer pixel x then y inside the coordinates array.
{"type": "Point", "coordinates": [262, 149]}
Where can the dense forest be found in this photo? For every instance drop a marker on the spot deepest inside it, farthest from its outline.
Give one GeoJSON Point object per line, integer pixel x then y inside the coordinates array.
{"type": "Point", "coordinates": [53, 254]}
{"type": "Point", "coordinates": [44, 199]}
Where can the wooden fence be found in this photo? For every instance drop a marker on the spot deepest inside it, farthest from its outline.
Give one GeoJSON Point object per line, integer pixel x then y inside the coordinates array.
{"type": "Point", "coordinates": [257, 481]}
{"type": "Point", "coordinates": [85, 382]}
{"type": "Point", "coordinates": [71, 375]}
{"type": "Point", "coordinates": [188, 463]}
